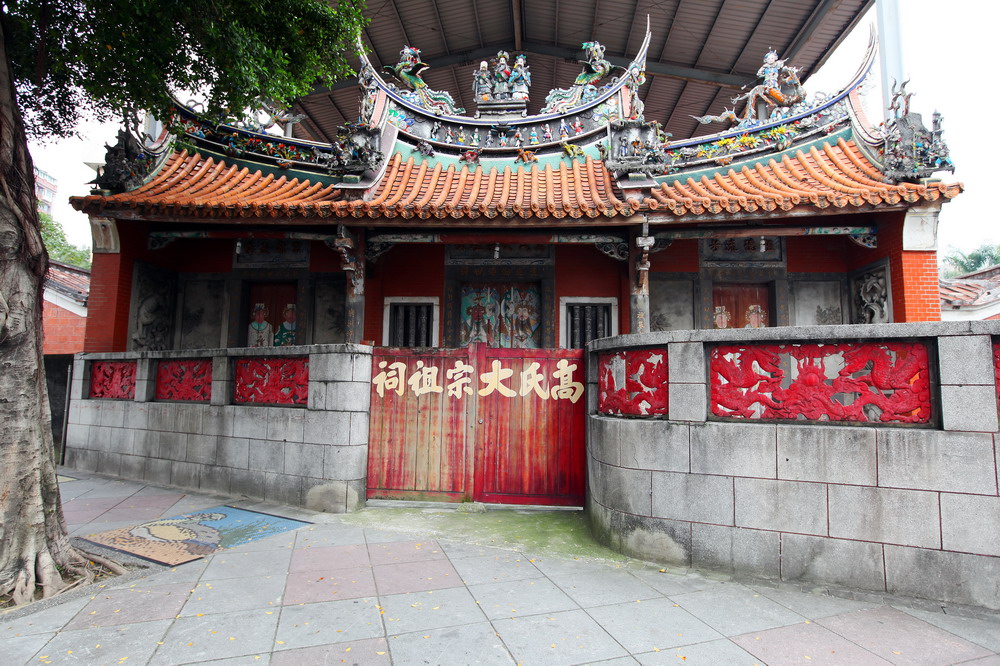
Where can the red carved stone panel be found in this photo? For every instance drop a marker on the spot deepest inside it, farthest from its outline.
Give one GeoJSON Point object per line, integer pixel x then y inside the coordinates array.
{"type": "Point", "coordinates": [273, 381]}
{"type": "Point", "coordinates": [112, 380]}
{"type": "Point", "coordinates": [633, 383]}
{"type": "Point", "coordinates": [885, 382]}
{"type": "Point", "coordinates": [187, 379]}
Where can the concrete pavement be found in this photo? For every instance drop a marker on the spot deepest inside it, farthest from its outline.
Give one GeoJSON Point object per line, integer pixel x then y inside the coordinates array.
{"type": "Point", "coordinates": [384, 587]}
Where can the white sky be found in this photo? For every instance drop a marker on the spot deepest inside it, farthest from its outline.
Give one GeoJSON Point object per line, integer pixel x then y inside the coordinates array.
{"type": "Point", "coordinates": [948, 54]}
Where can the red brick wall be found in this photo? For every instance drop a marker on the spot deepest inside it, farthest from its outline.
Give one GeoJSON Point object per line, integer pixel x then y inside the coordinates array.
{"type": "Point", "coordinates": [107, 307]}
{"type": "Point", "coordinates": [62, 331]}
{"type": "Point", "coordinates": [914, 275]}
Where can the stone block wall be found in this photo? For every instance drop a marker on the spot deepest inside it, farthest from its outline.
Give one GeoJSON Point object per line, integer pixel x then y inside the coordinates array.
{"type": "Point", "coordinates": [912, 511]}
{"type": "Point", "coordinates": [314, 455]}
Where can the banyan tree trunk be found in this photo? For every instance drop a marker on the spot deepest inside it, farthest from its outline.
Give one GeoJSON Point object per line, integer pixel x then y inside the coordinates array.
{"type": "Point", "coordinates": [33, 541]}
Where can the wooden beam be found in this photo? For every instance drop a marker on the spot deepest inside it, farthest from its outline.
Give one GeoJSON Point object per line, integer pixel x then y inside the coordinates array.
{"type": "Point", "coordinates": [516, 11]}
{"type": "Point", "coordinates": [479, 31]}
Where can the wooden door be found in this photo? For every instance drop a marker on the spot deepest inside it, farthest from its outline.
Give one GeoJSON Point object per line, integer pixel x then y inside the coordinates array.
{"type": "Point", "coordinates": [530, 446]}
{"type": "Point", "coordinates": [741, 306]}
{"type": "Point", "coordinates": [418, 441]}
{"type": "Point", "coordinates": [482, 423]}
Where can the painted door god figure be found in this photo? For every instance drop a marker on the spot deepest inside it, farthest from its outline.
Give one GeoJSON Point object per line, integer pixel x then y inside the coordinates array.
{"type": "Point", "coordinates": [287, 334]}
{"type": "Point", "coordinates": [260, 333]}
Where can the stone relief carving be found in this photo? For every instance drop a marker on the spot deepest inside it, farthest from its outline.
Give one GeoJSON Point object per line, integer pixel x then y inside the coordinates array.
{"type": "Point", "coordinates": [152, 321]}
{"type": "Point", "coordinates": [870, 290]}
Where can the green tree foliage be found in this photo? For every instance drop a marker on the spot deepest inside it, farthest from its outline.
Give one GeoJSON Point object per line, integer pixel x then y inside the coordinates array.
{"type": "Point", "coordinates": [111, 58]}
{"type": "Point", "coordinates": [60, 59]}
{"type": "Point", "coordinates": [957, 262]}
{"type": "Point", "coordinates": [59, 248]}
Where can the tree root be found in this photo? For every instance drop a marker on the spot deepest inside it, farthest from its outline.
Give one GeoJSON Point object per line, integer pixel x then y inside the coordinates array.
{"type": "Point", "coordinates": [80, 569]}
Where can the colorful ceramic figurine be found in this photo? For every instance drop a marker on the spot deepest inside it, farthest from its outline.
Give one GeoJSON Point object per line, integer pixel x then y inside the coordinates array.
{"type": "Point", "coordinates": [482, 83]}
{"type": "Point", "coordinates": [577, 126]}
{"type": "Point", "coordinates": [546, 133]}
{"type": "Point", "coordinates": [563, 129]}
{"type": "Point", "coordinates": [475, 136]}
{"type": "Point", "coordinates": [518, 138]}
{"type": "Point", "coordinates": [461, 136]}
{"type": "Point", "coordinates": [533, 137]}
{"type": "Point", "coordinates": [501, 77]}
{"type": "Point", "coordinates": [520, 79]}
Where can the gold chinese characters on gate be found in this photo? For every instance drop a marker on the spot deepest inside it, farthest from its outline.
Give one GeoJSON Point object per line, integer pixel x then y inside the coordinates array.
{"type": "Point", "coordinates": [425, 379]}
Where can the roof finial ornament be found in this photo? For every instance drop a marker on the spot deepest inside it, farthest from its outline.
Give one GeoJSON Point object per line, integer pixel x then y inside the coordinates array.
{"type": "Point", "coordinates": [910, 151]}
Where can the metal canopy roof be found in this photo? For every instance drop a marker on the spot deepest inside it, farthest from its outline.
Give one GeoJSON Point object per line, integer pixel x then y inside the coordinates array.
{"type": "Point", "coordinates": [702, 50]}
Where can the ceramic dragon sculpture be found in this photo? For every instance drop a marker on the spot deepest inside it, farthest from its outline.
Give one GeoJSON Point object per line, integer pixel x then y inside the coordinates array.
{"type": "Point", "coordinates": [408, 70]}
{"type": "Point", "coordinates": [584, 88]}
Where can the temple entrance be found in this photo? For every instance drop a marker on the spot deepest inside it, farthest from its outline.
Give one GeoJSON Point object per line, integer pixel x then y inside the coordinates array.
{"type": "Point", "coordinates": [479, 423]}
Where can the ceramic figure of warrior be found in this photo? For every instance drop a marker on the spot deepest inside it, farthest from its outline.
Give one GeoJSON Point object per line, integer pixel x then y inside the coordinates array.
{"type": "Point", "coordinates": [520, 79]}
{"type": "Point", "coordinates": [623, 147]}
{"type": "Point", "coordinates": [436, 130]}
{"type": "Point", "coordinates": [489, 139]}
{"type": "Point", "coordinates": [546, 133]}
{"type": "Point", "coordinates": [475, 136]}
{"type": "Point", "coordinates": [563, 129]}
{"type": "Point", "coordinates": [501, 77]}
{"type": "Point", "coordinates": [449, 137]}
{"type": "Point", "coordinates": [533, 137]}
{"type": "Point", "coordinates": [482, 83]}
{"type": "Point", "coordinates": [461, 136]}
{"type": "Point", "coordinates": [577, 127]}
{"type": "Point", "coordinates": [518, 138]}
{"type": "Point", "coordinates": [286, 335]}
{"type": "Point", "coordinates": [770, 69]}
{"type": "Point", "coordinates": [260, 333]}
{"type": "Point", "coordinates": [503, 139]}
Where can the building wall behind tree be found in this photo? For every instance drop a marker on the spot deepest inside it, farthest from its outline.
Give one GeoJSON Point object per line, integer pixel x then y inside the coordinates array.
{"type": "Point", "coordinates": [63, 331]}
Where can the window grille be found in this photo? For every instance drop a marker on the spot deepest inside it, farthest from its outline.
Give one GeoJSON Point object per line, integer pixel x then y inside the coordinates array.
{"type": "Point", "coordinates": [411, 325]}
{"type": "Point", "coordinates": [586, 322]}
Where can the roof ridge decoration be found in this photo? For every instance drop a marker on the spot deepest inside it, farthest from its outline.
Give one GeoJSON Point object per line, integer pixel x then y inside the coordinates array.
{"type": "Point", "coordinates": [779, 93]}
{"type": "Point", "coordinates": [408, 71]}
{"type": "Point", "coordinates": [909, 150]}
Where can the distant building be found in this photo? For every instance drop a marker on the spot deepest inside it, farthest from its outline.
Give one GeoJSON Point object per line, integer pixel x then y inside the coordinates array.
{"type": "Point", "coordinates": [974, 295]}
{"type": "Point", "coordinates": [45, 190]}
{"type": "Point", "coordinates": [64, 325]}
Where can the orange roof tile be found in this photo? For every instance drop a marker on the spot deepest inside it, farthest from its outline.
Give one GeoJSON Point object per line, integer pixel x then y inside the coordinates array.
{"type": "Point", "coordinates": [836, 175]}
{"type": "Point", "coordinates": [207, 187]}
{"type": "Point", "coordinates": [193, 186]}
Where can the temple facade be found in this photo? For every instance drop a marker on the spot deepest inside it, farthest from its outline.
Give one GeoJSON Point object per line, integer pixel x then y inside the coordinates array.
{"type": "Point", "coordinates": [423, 225]}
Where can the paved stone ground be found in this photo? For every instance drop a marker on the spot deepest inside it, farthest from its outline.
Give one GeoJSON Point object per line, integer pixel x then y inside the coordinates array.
{"type": "Point", "coordinates": [336, 592]}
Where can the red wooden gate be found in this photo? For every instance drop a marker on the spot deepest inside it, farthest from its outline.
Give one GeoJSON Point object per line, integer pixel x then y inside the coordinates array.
{"type": "Point", "coordinates": [480, 423]}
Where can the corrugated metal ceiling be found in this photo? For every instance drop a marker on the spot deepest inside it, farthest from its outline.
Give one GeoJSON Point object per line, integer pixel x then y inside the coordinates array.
{"type": "Point", "coordinates": [700, 54]}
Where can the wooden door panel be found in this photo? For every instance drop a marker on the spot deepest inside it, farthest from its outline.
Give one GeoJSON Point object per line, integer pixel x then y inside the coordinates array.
{"type": "Point", "coordinates": [503, 441]}
{"type": "Point", "coordinates": [417, 439]}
